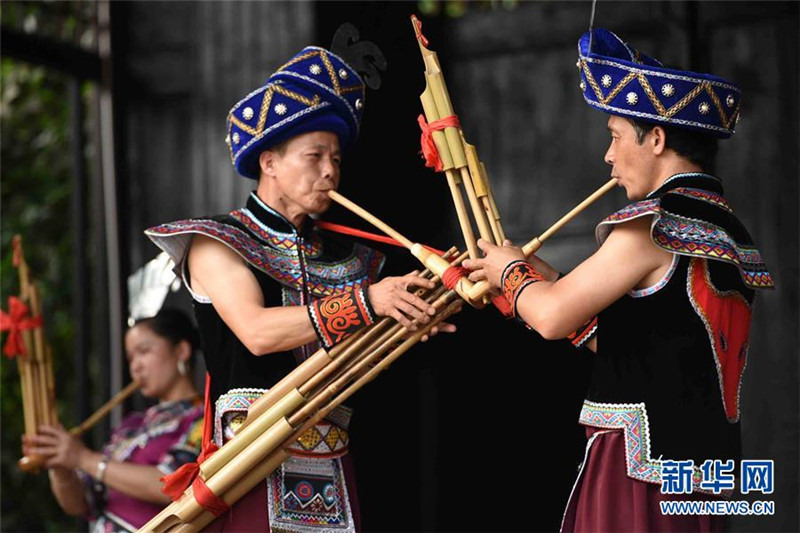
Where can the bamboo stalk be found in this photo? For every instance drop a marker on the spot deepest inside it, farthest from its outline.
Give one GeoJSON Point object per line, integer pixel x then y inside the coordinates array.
{"type": "Point", "coordinates": [477, 208]}
{"type": "Point", "coordinates": [282, 409]}
{"type": "Point", "coordinates": [491, 206]}
{"type": "Point", "coordinates": [270, 463]}
{"type": "Point", "coordinates": [378, 347]}
{"type": "Point", "coordinates": [106, 408]}
{"type": "Point", "coordinates": [535, 243]}
{"type": "Point", "coordinates": [482, 288]}
{"type": "Point", "coordinates": [253, 463]}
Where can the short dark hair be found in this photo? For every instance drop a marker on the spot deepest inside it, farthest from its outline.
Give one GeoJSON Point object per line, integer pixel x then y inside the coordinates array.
{"type": "Point", "coordinates": [699, 148]}
{"type": "Point", "coordinates": [173, 325]}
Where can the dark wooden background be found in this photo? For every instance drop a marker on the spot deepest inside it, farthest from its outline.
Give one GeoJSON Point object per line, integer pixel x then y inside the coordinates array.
{"type": "Point", "coordinates": [478, 431]}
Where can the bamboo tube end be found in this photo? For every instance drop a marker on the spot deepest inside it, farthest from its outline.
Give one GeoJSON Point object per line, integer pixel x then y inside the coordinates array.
{"type": "Point", "coordinates": [31, 463]}
{"type": "Point", "coordinates": [531, 247]}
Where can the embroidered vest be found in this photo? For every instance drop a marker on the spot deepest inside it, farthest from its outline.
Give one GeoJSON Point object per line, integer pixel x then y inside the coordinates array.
{"type": "Point", "coordinates": [670, 357]}
{"type": "Point", "coordinates": [291, 269]}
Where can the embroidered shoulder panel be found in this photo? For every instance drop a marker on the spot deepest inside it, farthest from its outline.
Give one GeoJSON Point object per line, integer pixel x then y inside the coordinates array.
{"type": "Point", "coordinates": [694, 237]}
{"type": "Point", "coordinates": [276, 256]}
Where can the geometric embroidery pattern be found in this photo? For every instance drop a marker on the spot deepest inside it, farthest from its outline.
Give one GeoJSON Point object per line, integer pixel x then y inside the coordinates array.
{"type": "Point", "coordinates": [631, 418]}
{"type": "Point", "coordinates": [695, 238]}
{"type": "Point", "coordinates": [704, 87]}
{"type": "Point", "coordinates": [306, 495]}
{"type": "Point", "coordinates": [324, 440]}
{"type": "Point", "coordinates": [283, 263]}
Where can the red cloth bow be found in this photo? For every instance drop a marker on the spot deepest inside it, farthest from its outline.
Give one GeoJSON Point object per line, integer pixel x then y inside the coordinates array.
{"type": "Point", "coordinates": [429, 151]}
{"type": "Point", "coordinates": [177, 482]}
{"type": "Point", "coordinates": [15, 322]}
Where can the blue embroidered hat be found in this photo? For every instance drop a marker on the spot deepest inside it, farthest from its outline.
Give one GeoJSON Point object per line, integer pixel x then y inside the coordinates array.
{"type": "Point", "coordinates": [316, 90]}
{"type": "Point", "coordinates": [618, 79]}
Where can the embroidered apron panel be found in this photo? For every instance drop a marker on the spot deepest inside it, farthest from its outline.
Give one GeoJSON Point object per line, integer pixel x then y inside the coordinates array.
{"type": "Point", "coordinates": [308, 492]}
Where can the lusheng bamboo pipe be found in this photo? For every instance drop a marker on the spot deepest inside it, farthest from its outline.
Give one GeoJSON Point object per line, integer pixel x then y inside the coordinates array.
{"type": "Point", "coordinates": [452, 142]}
{"type": "Point", "coordinates": [106, 408]}
{"type": "Point", "coordinates": [293, 391]}
{"type": "Point", "coordinates": [35, 462]}
{"type": "Point", "coordinates": [312, 366]}
{"type": "Point", "coordinates": [253, 463]}
{"type": "Point", "coordinates": [529, 248]}
{"type": "Point", "coordinates": [435, 263]}
{"type": "Point", "coordinates": [187, 516]}
{"type": "Point", "coordinates": [35, 366]}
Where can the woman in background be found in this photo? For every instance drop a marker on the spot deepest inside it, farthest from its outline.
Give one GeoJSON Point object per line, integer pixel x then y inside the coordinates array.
{"type": "Point", "coordinates": [118, 488]}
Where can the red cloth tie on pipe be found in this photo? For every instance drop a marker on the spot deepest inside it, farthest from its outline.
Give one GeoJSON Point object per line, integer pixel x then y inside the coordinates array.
{"type": "Point", "coordinates": [429, 151]}
{"type": "Point", "coordinates": [207, 499]}
{"type": "Point", "coordinates": [451, 276]}
{"type": "Point", "coordinates": [15, 322]}
{"type": "Point", "coordinates": [176, 483]}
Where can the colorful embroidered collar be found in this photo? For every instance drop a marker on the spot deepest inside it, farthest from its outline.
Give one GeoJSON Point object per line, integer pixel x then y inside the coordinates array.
{"type": "Point", "coordinates": [269, 242]}
{"type": "Point", "coordinates": [693, 218]}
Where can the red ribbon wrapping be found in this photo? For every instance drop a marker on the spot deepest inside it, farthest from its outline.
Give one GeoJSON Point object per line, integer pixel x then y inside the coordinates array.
{"type": "Point", "coordinates": [451, 276]}
{"type": "Point", "coordinates": [176, 483]}
{"type": "Point", "coordinates": [429, 151]}
{"type": "Point", "coordinates": [15, 322]}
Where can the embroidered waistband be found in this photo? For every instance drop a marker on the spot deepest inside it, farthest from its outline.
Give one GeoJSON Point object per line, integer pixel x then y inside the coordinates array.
{"type": "Point", "coordinates": [328, 438]}
{"type": "Point", "coordinates": [632, 419]}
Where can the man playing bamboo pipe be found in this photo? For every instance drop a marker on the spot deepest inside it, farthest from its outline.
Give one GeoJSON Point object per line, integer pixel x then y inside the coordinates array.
{"type": "Point", "coordinates": [270, 288]}
{"type": "Point", "coordinates": [668, 294]}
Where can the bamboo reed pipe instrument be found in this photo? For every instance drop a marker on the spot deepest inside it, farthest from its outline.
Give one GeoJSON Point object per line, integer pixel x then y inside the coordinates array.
{"type": "Point", "coordinates": [294, 405]}
{"type": "Point", "coordinates": [36, 370]}
{"type": "Point", "coordinates": [454, 153]}
{"type": "Point", "coordinates": [34, 362]}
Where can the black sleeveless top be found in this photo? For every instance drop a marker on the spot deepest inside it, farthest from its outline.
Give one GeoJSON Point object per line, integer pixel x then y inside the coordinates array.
{"type": "Point", "coordinates": [670, 357]}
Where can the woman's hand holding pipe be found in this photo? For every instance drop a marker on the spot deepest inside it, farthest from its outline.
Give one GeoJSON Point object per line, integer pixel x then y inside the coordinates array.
{"type": "Point", "coordinates": [62, 449]}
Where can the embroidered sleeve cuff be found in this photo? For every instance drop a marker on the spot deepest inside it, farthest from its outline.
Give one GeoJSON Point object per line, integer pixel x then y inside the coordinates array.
{"type": "Point", "coordinates": [584, 334]}
{"type": "Point", "coordinates": [337, 317]}
{"type": "Point", "coordinates": [517, 276]}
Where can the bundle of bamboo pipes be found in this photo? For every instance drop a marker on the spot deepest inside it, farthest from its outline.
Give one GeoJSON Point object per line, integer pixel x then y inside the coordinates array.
{"type": "Point", "coordinates": [35, 365]}
{"type": "Point", "coordinates": [35, 368]}
{"type": "Point", "coordinates": [297, 403]}
{"type": "Point", "coordinates": [461, 165]}
{"type": "Point", "coordinates": [326, 379]}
